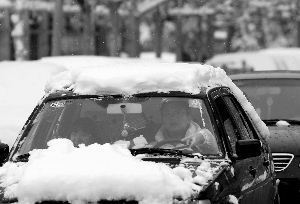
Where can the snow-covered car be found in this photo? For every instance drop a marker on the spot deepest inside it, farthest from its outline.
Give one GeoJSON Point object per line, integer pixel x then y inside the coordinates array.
{"type": "Point", "coordinates": [165, 133]}
{"type": "Point", "coordinates": [275, 96]}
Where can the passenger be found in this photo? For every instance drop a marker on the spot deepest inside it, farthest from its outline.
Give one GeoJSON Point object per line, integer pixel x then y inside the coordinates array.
{"type": "Point", "coordinates": [177, 124]}
{"type": "Point", "coordinates": [84, 131]}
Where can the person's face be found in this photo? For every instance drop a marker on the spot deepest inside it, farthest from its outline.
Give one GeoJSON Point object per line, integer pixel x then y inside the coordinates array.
{"type": "Point", "coordinates": [81, 137]}
{"type": "Point", "coordinates": [175, 117]}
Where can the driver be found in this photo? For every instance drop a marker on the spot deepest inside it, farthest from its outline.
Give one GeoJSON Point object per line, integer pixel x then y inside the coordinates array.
{"type": "Point", "coordinates": [177, 124]}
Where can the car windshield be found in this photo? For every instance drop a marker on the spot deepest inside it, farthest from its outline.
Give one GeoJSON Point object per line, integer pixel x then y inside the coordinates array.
{"type": "Point", "coordinates": [273, 98]}
{"type": "Point", "coordinates": [134, 122]}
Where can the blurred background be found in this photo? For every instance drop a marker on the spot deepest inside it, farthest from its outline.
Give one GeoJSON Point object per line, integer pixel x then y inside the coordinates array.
{"type": "Point", "coordinates": [237, 35]}
{"type": "Point", "coordinates": [40, 38]}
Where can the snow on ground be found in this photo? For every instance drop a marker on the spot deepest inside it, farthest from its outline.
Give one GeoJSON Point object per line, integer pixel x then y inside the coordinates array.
{"type": "Point", "coordinates": [86, 61]}
{"type": "Point", "coordinates": [267, 59]}
{"type": "Point", "coordinates": [21, 87]}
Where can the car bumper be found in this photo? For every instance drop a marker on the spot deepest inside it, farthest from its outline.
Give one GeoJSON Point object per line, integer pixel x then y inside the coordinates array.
{"type": "Point", "coordinates": [288, 174]}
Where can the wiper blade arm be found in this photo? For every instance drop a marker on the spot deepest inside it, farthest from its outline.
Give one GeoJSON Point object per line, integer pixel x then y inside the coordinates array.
{"type": "Point", "coordinates": [135, 152]}
{"type": "Point", "coordinates": [22, 158]}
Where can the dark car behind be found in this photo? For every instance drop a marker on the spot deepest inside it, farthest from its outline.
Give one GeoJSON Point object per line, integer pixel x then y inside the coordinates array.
{"type": "Point", "coordinates": [275, 96]}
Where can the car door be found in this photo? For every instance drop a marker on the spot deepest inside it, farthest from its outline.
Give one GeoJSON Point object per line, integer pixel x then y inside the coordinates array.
{"type": "Point", "coordinates": [253, 175]}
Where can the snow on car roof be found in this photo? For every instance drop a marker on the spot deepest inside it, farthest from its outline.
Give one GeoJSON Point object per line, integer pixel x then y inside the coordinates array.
{"type": "Point", "coordinates": [129, 78]}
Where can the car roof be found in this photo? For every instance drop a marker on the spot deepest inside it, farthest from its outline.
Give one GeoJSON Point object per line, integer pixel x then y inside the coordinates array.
{"type": "Point", "coordinates": [270, 74]}
{"type": "Point", "coordinates": [129, 78]}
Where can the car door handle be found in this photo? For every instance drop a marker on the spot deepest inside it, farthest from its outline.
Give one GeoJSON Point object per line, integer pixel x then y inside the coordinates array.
{"type": "Point", "coordinates": [252, 171]}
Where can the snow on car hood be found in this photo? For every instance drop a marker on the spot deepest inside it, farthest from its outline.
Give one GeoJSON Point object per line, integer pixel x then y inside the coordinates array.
{"type": "Point", "coordinates": [132, 78]}
{"type": "Point", "coordinates": [285, 139]}
{"type": "Point", "coordinates": [96, 172]}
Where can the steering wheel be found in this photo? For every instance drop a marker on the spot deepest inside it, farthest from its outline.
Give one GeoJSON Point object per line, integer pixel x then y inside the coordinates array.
{"type": "Point", "coordinates": [175, 141]}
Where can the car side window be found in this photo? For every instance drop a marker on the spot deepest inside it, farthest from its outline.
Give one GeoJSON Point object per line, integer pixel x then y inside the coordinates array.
{"type": "Point", "coordinates": [227, 122]}
{"type": "Point", "coordinates": [234, 121]}
{"type": "Point", "coordinates": [239, 118]}
{"type": "Point", "coordinates": [232, 136]}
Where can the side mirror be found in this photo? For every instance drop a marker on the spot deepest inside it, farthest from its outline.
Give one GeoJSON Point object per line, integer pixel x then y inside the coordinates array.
{"type": "Point", "coordinates": [248, 148]}
{"type": "Point", "coordinates": [4, 152]}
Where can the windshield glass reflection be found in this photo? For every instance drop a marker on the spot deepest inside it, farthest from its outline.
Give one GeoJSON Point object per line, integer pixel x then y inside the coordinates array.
{"type": "Point", "coordinates": [152, 122]}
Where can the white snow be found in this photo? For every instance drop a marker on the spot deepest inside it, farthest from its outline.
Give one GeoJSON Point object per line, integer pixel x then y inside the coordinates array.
{"type": "Point", "coordinates": [86, 61]}
{"type": "Point", "coordinates": [21, 87]}
{"type": "Point", "coordinates": [216, 185]}
{"type": "Point", "coordinates": [233, 199]}
{"type": "Point", "coordinates": [267, 59]}
{"type": "Point", "coordinates": [63, 172]}
{"type": "Point", "coordinates": [132, 78]}
{"type": "Point", "coordinates": [282, 123]}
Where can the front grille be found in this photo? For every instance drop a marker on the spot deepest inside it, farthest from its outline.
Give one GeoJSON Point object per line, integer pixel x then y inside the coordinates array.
{"type": "Point", "coordinates": [282, 160]}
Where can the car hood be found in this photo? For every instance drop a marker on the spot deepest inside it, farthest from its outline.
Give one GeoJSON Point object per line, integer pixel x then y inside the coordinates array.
{"type": "Point", "coordinates": [184, 180]}
{"type": "Point", "coordinates": [285, 139]}
{"type": "Point", "coordinates": [202, 185]}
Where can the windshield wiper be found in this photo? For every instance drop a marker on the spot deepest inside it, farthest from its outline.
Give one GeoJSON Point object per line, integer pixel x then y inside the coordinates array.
{"type": "Point", "coordinates": [274, 121]}
{"type": "Point", "coordinates": [135, 152]}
